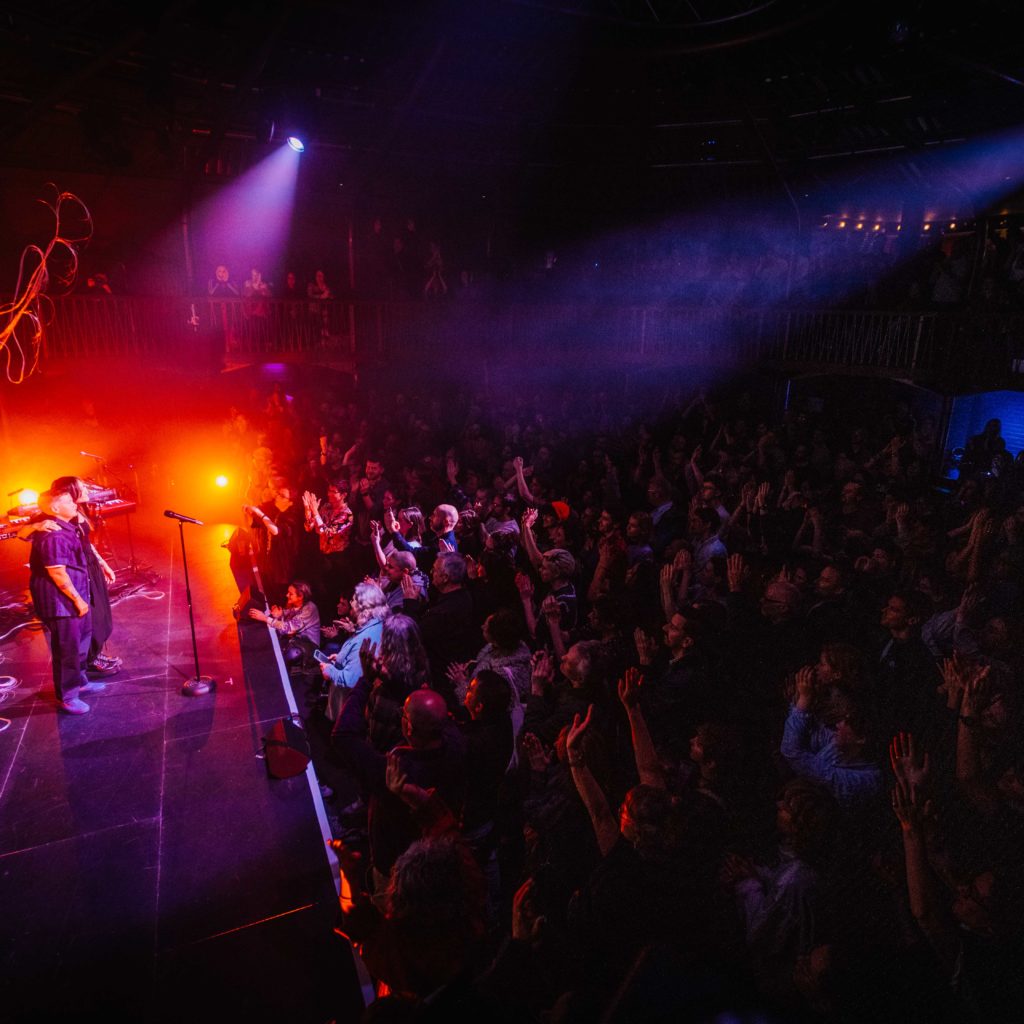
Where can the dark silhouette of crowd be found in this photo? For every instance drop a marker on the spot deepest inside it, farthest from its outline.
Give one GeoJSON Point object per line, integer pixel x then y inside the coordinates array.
{"type": "Point", "coordinates": [660, 709]}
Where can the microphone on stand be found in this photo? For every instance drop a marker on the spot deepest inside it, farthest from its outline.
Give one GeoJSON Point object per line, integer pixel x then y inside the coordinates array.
{"type": "Point", "coordinates": [89, 455]}
{"type": "Point", "coordinates": [181, 518]}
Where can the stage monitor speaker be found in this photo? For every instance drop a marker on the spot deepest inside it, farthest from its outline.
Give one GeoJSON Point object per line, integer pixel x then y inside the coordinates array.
{"type": "Point", "coordinates": [286, 748]}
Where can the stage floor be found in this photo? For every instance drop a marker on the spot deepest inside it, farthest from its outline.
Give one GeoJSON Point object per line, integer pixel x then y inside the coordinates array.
{"type": "Point", "coordinates": [149, 867]}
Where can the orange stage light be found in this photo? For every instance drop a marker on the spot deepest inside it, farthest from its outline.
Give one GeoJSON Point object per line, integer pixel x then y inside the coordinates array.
{"type": "Point", "coordinates": [221, 481]}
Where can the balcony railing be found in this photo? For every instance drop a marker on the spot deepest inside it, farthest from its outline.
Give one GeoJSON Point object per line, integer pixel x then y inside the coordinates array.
{"type": "Point", "coordinates": [965, 346]}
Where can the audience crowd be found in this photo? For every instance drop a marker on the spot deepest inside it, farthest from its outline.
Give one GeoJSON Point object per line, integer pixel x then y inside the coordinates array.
{"type": "Point", "coordinates": [657, 716]}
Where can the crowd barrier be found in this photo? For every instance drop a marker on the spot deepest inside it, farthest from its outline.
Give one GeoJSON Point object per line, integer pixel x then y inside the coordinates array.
{"type": "Point", "coordinates": [982, 346]}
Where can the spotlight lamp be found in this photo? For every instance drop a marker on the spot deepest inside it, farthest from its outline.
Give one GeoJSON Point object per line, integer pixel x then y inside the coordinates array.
{"type": "Point", "coordinates": [296, 143]}
{"type": "Point", "coordinates": [221, 481]}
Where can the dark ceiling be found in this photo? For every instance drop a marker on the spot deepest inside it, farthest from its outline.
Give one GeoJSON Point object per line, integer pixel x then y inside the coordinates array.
{"type": "Point", "coordinates": [590, 103]}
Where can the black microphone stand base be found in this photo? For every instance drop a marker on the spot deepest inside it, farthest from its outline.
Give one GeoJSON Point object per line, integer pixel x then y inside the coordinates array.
{"type": "Point", "coordinates": [198, 686]}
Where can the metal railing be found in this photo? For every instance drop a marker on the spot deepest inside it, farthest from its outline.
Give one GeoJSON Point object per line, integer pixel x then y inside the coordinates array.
{"type": "Point", "coordinates": [84, 326]}
{"type": "Point", "coordinates": [968, 345]}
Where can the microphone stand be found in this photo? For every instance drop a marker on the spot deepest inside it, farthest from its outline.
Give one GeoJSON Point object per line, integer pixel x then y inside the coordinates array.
{"type": "Point", "coordinates": [198, 685]}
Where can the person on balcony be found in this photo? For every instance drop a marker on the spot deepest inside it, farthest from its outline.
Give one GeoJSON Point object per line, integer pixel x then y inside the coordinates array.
{"type": "Point", "coordinates": [220, 285]}
{"type": "Point", "coordinates": [319, 290]}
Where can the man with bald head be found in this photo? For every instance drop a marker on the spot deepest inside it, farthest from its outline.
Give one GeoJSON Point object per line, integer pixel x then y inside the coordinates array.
{"type": "Point", "coordinates": [423, 719]}
{"type": "Point", "coordinates": [433, 756]}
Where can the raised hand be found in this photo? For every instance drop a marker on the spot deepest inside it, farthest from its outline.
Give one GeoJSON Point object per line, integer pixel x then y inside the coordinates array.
{"type": "Point", "coordinates": [536, 756]}
{"type": "Point", "coordinates": [629, 688]}
{"type": "Point", "coordinates": [394, 776]}
{"type": "Point", "coordinates": [390, 521]}
{"type": "Point", "coordinates": [529, 518]}
{"type": "Point", "coordinates": [368, 657]}
{"type": "Point", "coordinates": [735, 570]}
{"type": "Point", "coordinates": [375, 529]}
{"type": "Point", "coordinates": [458, 672]}
{"type": "Point", "coordinates": [748, 494]}
{"type": "Point", "coordinates": [398, 783]}
{"type": "Point", "coordinates": [646, 646]}
{"type": "Point", "coordinates": [517, 463]}
{"type": "Point", "coordinates": [909, 765]}
{"type": "Point", "coordinates": [350, 860]}
{"type": "Point", "coordinates": [666, 577]}
{"type": "Point", "coordinates": [551, 609]}
{"type": "Point", "coordinates": [574, 737]}
{"type": "Point", "coordinates": [524, 585]}
{"type": "Point", "coordinates": [527, 924]}
{"type": "Point", "coordinates": [908, 807]}
{"type": "Point", "coordinates": [976, 690]}
{"type": "Point", "coordinates": [683, 562]}
{"type": "Point", "coordinates": [542, 671]}
{"type": "Point", "coordinates": [444, 547]}
{"type": "Point", "coordinates": [410, 589]}
{"type": "Point", "coordinates": [805, 688]}
{"type": "Point", "coordinates": [761, 498]}
{"type": "Point", "coordinates": [452, 470]}
{"type": "Point", "coordinates": [954, 679]}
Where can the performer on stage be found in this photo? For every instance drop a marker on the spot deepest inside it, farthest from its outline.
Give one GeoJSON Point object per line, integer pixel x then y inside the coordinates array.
{"type": "Point", "coordinates": [60, 593]}
{"type": "Point", "coordinates": [100, 576]}
{"type": "Point", "coordinates": [100, 573]}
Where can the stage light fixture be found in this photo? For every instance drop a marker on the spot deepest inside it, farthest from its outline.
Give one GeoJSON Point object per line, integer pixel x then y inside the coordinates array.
{"type": "Point", "coordinates": [28, 497]}
{"type": "Point", "coordinates": [296, 143]}
{"type": "Point", "coordinates": [842, 223]}
{"type": "Point", "coordinates": [221, 481]}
